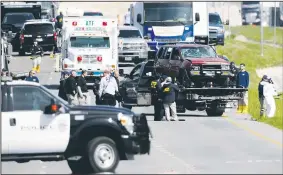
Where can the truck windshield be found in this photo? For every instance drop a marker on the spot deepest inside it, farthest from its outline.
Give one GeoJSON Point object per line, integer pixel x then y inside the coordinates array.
{"type": "Point", "coordinates": [215, 19]}
{"type": "Point", "coordinates": [92, 42]}
{"type": "Point", "coordinates": [198, 52]}
{"type": "Point", "coordinates": [181, 12]}
{"type": "Point", "coordinates": [130, 34]}
{"type": "Point", "coordinates": [92, 14]}
{"type": "Point", "coordinates": [17, 18]}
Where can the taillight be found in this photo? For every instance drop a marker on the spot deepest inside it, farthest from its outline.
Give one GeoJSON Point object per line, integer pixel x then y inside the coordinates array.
{"type": "Point", "coordinates": [55, 36]}
{"type": "Point", "coordinates": [79, 58]}
{"type": "Point", "coordinates": [74, 23]}
{"type": "Point", "coordinates": [99, 58]}
{"type": "Point", "coordinates": [22, 38]}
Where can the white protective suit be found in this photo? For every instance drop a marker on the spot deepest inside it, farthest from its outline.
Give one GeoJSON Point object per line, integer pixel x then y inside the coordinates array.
{"type": "Point", "coordinates": [269, 92]}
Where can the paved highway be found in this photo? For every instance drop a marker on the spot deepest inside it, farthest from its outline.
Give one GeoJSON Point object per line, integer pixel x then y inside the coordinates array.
{"type": "Point", "coordinates": [199, 144]}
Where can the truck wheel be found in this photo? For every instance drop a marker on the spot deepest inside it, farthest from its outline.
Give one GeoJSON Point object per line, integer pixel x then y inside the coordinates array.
{"type": "Point", "coordinates": [22, 52]}
{"type": "Point", "coordinates": [213, 112]}
{"type": "Point", "coordinates": [103, 155]}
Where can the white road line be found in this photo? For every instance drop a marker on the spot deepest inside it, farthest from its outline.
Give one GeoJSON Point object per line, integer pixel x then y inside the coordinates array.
{"type": "Point", "coordinates": [252, 161]}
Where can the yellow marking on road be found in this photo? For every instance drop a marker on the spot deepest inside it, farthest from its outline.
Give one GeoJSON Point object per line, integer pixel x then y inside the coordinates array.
{"type": "Point", "coordinates": [253, 132]}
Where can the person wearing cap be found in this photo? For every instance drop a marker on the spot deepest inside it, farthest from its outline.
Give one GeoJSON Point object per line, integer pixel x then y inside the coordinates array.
{"type": "Point", "coordinates": [61, 88]}
{"type": "Point", "coordinates": [107, 89]}
{"type": "Point", "coordinates": [59, 21]}
{"type": "Point", "coordinates": [243, 82]}
{"type": "Point", "coordinates": [36, 55]}
{"type": "Point", "coordinates": [269, 92]}
{"type": "Point", "coordinates": [168, 98]}
{"type": "Point", "coordinates": [71, 88]}
{"type": "Point", "coordinates": [83, 95]}
{"type": "Point", "coordinates": [32, 77]}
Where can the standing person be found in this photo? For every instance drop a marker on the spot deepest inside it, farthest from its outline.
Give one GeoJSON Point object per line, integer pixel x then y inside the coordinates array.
{"type": "Point", "coordinates": [107, 89]}
{"type": "Point", "coordinates": [83, 95]}
{"type": "Point", "coordinates": [168, 97]}
{"type": "Point", "coordinates": [269, 92]}
{"type": "Point", "coordinates": [71, 88]}
{"type": "Point", "coordinates": [234, 71]}
{"type": "Point", "coordinates": [157, 98]}
{"type": "Point", "coordinates": [261, 84]}
{"type": "Point", "coordinates": [32, 77]}
{"type": "Point", "coordinates": [62, 92]}
{"type": "Point", "coordinates": [36, 54]}
{"type": "Point", "coordinates": [243, 82]}
{"type": "Point", "coordinates": [59, 21]}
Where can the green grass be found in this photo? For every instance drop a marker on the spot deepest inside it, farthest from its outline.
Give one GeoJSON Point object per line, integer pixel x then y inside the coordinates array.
{"type": "Point", "coordinates": [253, 33]}
{"type": "Point", "coordinates": [249, 54]}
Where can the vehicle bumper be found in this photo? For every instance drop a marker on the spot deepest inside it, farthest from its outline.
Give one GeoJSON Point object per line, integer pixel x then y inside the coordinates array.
{"type": "Point", "coordinates": [209, 74]}
{"type": "Point", "coordinates": [136, 145]}
{"type": "Point", "coordinates": [133, 56]}
{"type": "Point", "coordinates": [45, 47]}
{"type": "Point", "coordinates": [219, 40]}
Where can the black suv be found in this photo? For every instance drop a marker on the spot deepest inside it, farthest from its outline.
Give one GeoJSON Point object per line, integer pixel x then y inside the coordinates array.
{"type": "Point", "coordinates": [41, 31]}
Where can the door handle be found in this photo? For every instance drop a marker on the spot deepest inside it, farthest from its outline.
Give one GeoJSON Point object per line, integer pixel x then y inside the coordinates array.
{"type": "Point", "coordinates": [12, 122]}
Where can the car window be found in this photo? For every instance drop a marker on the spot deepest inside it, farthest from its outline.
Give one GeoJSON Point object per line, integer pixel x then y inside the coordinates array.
{"type": "Point", "coordinates": [215, 19]}
{"type": "Point", "coordinates": [2, 99]}
{"type": "Point", "coordinates": [198, 52]}
{"type": "Point", "coordinates": [160, 52]}
{"type": "Point", "coordinates": [175, 54]}
{"type": "Point", "coordinates": [17, 18]}
{"type": "Point", "coordinates": [136, 72]}
{"type": "Point", "coordinates": [130, 34]}
{"type": "Point", "coordinates": [39, 28]}
{"type": "Point", "coordinates": [168, 53]}
{"type": "Point", "coordinates": [29, 98]}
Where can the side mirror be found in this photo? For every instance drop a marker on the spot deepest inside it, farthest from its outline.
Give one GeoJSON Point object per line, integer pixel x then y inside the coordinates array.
{"type": "Point", "coordinates": [151, 54]}
{"type": "Point", "coordinates": [139, 18]}
{"type": "Point", "coordinates": [52, 109]}
{"type": "Point", "coordinates": [197, 17]}
{"type": "Point", "coordinates": [227, 22]}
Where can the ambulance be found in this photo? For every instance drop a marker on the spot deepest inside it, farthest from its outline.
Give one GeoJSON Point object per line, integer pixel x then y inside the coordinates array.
{"type": "Point", "coordinates": [91, 44]}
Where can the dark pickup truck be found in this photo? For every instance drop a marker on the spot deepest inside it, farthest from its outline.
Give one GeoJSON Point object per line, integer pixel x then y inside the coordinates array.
{"type": "Point", "coordinates": [136, 91]}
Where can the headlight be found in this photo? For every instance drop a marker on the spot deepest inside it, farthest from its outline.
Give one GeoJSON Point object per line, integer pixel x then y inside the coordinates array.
{"type": "Point", "coordinates": [127, 122]}
{"type": "Point", "coordinates": [195, 68]}
{"type": "Point", "coordinates": [225, 67]}
{"type": "Point", "coordinates": [220, 30]}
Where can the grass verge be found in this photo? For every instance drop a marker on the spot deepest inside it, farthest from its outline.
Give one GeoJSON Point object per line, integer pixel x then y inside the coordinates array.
{"type": "Point", "coordinates": [253, 33]}
{"type": "Point", "coordinates": [249, 54]}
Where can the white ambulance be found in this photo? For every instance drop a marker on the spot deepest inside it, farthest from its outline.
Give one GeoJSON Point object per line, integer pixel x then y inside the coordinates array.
{"type": "Point", "coordinates": [91, 44]}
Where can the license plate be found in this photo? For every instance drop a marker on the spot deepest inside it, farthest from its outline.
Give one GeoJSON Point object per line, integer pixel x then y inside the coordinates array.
{"type": "Point", "coordinates": [212, 35]}
{"type": "Point", "coordinates": [128, 58]}
{"type": "Point", "coordinates": [144, 99]}
{"type": "Point", "coordinates": [39, 39]}
{"type": "Point", "coordinates": [210, 73]}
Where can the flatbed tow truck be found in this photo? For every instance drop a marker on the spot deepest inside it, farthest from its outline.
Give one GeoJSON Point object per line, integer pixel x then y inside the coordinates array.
{"type": "Point", "coordinates": [137, 91]}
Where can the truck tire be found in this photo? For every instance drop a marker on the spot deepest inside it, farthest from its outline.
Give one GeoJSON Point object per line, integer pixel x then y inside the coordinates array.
{"type": "Point", "coordinates": [102, 154]}
{"type": "Point", "coordinates": [214, 112]}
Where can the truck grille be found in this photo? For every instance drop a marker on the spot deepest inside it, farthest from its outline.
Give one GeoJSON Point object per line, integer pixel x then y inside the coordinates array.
{"type": "Point", "coordinates": [133, 46]}
{"type": "Point", "coordinates": [90, 59]}
{"type": "Point", "coordinates": [211, 67]}
{"type": "Point", "coordinates": [175, 40]}
{"type": "Point", "coordinates": [212, 33]}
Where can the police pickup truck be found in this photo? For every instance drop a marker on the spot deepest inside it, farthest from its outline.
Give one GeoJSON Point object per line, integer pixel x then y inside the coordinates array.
{"type": "Point", "coordinates": [36, 125]}
{"type": "Point", "coordinates": [138, 89]}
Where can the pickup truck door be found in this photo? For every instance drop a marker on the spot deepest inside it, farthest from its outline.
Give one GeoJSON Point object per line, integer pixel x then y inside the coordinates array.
{"type": "Point", "coordinates": [174, 63]}
{"type": "Point", "coordinates": [32, 130]}
{"type": "Point", "coordinates": [5, 139]}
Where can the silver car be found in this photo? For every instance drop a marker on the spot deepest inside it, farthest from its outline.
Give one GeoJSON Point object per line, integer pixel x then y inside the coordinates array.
{"type": "Point", "coordinates": [132, 46]}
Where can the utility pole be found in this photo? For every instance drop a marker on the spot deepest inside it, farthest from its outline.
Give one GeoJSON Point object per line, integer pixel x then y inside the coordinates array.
{"type": "Point", "coordinates": [261, 28]}
{"type": "Point", "coordinates": [275, 22]}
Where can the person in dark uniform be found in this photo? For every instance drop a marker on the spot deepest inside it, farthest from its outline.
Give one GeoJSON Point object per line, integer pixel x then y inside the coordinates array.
{"type": "Point", "coordinates": [62, 92]}
{"type": "Point", "coordinates": [71, 88]}
{"type": "Point", "coordinates": [59, 21]}
{"type": "Point", "coordinates": [83, 96]}
{"type": "Point", "coordinates": [32, 77]}
{"type": "Point", "coordinates": [36, 55]}
{"type": "Point", "coordinates": [243, 82]}
{"type": "Point", "coordinates": [157, 101]}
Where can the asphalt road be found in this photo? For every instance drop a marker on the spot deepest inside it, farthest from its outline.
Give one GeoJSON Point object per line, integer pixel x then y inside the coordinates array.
{"type": "Point", "coordinates": [199, 144]}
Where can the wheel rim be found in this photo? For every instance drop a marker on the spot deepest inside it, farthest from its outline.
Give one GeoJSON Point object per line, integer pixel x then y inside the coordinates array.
{"type": "Point", "coordinates": [104, 156]}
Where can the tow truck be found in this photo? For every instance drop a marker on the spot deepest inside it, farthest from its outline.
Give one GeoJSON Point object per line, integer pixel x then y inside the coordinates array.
{"type": "Point", "coordinates": [137, 91]}
{"type": "Point", "coordinates": [37, 125]}
{"type": "Point", "coordinates": [89, 44]}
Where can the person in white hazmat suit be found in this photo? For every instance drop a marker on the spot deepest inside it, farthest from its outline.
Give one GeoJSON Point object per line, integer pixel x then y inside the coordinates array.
{"type": "Point", "coordinates": [269, 92]}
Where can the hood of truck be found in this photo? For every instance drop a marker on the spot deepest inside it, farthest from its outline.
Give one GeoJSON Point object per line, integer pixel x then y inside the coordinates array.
{"type": "Point", "coordinates": [100, 109]}
{"type": "Point", "coordinates": [131, 40]}
{"type": "Point", "coordinates": [198, 61]}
